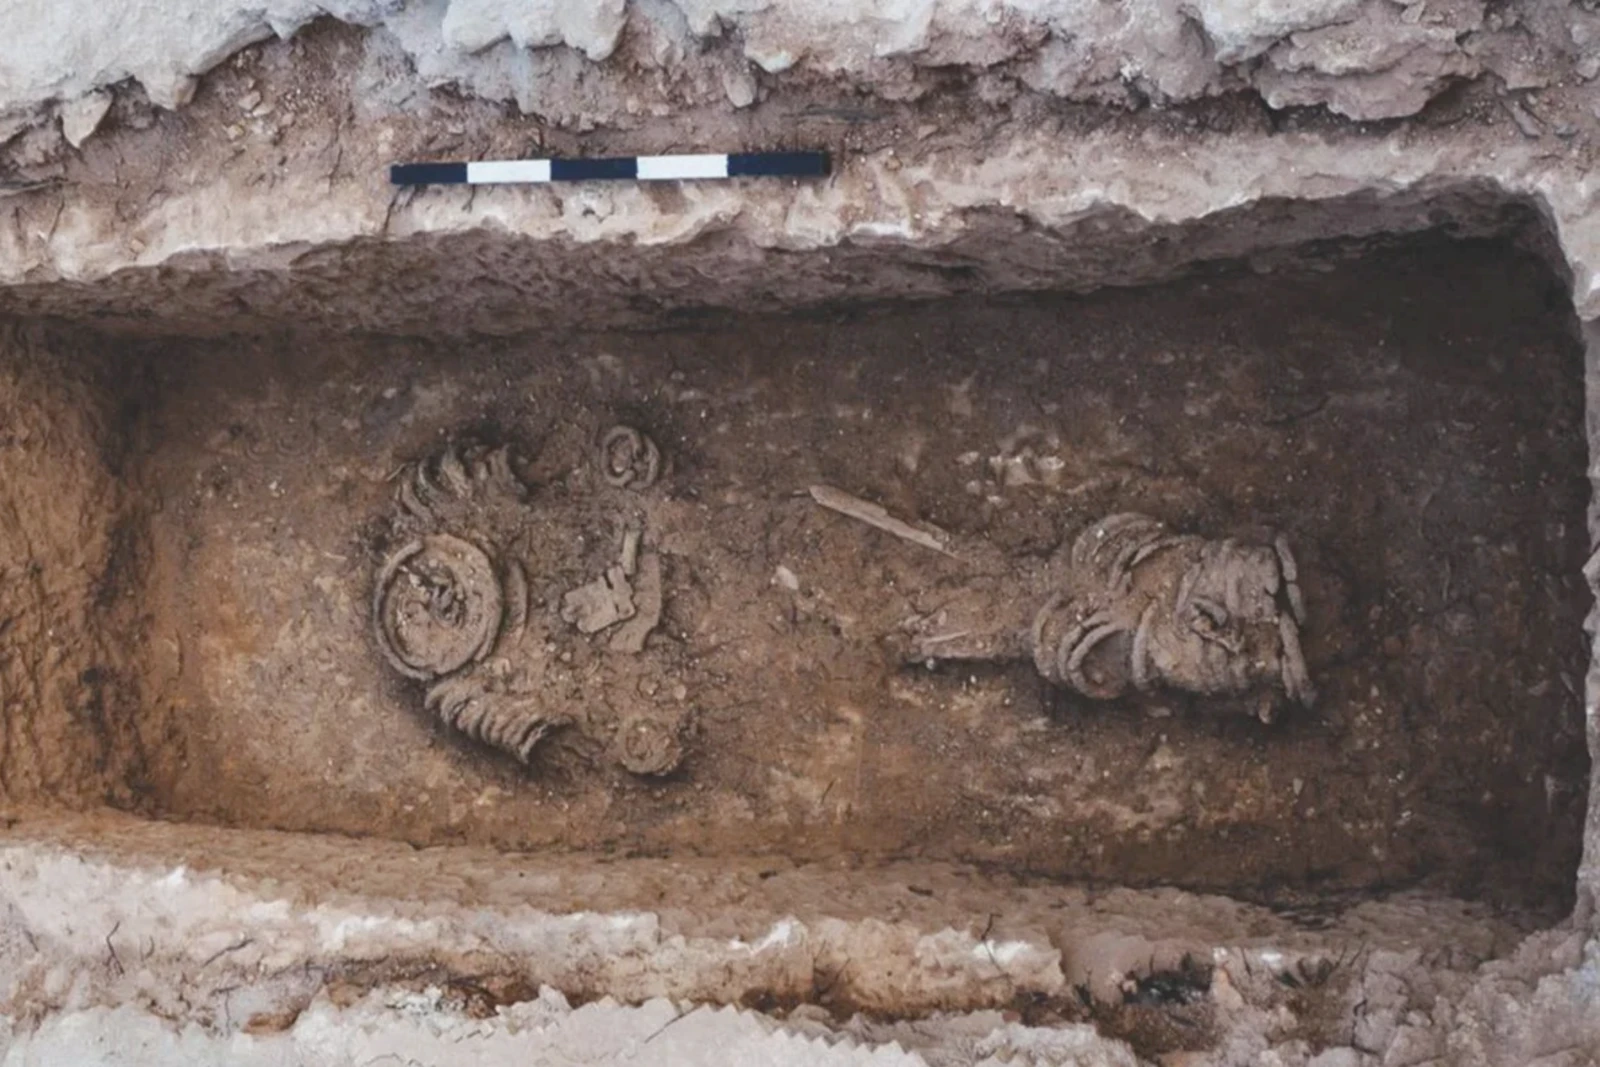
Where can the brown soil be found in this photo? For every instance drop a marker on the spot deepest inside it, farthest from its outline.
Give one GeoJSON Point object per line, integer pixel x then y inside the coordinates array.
{"type": "Point", "coordinates": [69, 580]}
{"type": "Point", "coordinates": [1413, 421]}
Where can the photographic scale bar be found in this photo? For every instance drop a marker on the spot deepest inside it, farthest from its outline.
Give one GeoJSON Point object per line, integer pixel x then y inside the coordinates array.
{"type": "Point", "coordinates": [623, 168]}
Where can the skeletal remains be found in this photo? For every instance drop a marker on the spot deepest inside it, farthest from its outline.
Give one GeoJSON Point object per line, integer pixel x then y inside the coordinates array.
{"type": "Point", "coordinates": [1136, 606]}
{"type": "Point", "coordinates": [1146, 607]}
{"type": "Point", "coordinates": [451, 604]}
{"type": "Point", "coordinates": [1130, 605]}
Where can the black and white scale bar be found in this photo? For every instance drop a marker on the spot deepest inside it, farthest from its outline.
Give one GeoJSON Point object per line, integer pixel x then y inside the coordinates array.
{"type": "Point", "coordinates": [624, 168]}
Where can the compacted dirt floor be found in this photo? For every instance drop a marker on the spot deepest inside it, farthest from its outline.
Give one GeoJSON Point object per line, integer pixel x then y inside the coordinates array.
{"type": "Point", "coordinates": [1411, 420]}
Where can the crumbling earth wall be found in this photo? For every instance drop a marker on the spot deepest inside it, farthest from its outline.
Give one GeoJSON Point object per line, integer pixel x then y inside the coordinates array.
{"type": "Point", "coordinates": [70, 580]}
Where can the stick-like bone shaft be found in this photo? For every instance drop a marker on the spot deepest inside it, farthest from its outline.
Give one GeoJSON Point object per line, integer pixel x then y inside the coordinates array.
{"type": "Point", "coordinates": [876, 516]}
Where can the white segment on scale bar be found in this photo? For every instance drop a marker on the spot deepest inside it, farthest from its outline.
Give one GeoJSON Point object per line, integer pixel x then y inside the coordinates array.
{"type": "Point", "coordinates": [508, 170]}
{"type": "Point", "coordinates": [666, 168]}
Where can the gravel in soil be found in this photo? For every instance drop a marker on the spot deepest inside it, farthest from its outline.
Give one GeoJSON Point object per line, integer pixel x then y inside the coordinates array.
{"type": "Point", "coordinates": [1411, 420]}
